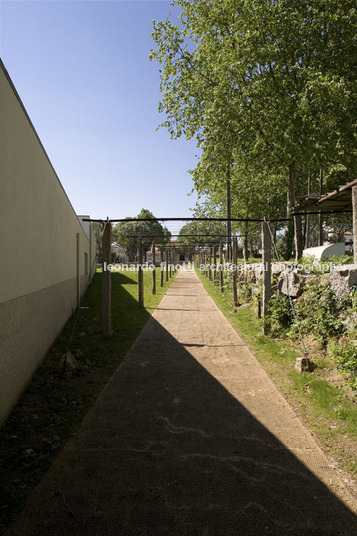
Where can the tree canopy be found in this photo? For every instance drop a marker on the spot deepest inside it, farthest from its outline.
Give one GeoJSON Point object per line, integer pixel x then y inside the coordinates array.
{"type": "Point", "coordinates": [202, 233]}
{"type": "Point", "coordinates": [268, 90]}
{"type": "Point", "coordinates": [127, 233]}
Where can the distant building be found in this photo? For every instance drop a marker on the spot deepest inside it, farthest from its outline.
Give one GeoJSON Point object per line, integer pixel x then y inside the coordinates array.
{"type": "Point", "coordinates": [119, 254]}
{"type": "Point", "coordinates": [157, 255]}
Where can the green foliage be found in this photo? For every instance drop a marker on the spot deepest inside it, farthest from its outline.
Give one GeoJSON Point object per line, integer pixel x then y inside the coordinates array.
{"type": "Point", "coordinates": [126, 233]}
{"type": "Point", "coordinates": [345, 259]}
{"type": "Point", "coordinates": [280, 312]}
{"type": "Point", "coordinates": [202, 233]}
{"type": "Point", "coordinates": [268, 91]}
{"type": "Point", "coordinates": [315, 267]}
{"type": "Point", "coordinates": [345, 353]}
{"type": "Point", "coordinates": [266, 80]}
{"type": "Point", "coordinates": [319, 399]}
{"type": "Point", "coordinates": [98, 235]}
{"type": "Point", "coordinates": [318, 312]}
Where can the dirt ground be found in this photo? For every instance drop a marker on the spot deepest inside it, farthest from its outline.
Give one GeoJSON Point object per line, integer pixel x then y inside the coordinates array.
{"type": "Point", "coordinates": [190, 437]}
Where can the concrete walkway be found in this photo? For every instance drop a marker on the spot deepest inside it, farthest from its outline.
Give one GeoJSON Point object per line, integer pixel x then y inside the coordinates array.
{"type": "Point", "coordinates": [190, 437]}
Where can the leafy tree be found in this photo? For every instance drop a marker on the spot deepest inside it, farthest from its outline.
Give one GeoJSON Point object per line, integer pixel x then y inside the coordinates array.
{"type": "Point", "coordinates": [268, 86]}
{"type": "Point", "coordinates": [204, 233]}
{"type": "Point", "coordinates": [98, 235]}
{"type": "Point", "coordinates": [127, 233]}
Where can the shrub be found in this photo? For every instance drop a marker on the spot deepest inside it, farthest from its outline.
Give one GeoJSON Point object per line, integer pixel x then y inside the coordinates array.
{"type": "Point", "coordinates": [318, 313]}
{"type": "Point", "coordinates": [281, 314]}
{"type": "Point", "coordinates": [344, 352]}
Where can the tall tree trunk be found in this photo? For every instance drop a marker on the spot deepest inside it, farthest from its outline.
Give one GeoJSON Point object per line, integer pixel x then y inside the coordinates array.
{"type": "Point", "coordinates": [354, 221]}
{"type": "Point", "coordinates": [307, 225]}
{"type": "Point", "coordinates": [298, 238]}
{"type": "Point", "coordinates": [321, 229]}
{"type": "Point", "coordinates": [229, 224]}
{"type": "Point", "coordinates": [289, 232]}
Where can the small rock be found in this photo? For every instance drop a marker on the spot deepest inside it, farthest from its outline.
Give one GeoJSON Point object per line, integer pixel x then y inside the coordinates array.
{"type": "Point", "coordinates": [69, 362]}
{"type": "Point", "coordinates": [302, 364]}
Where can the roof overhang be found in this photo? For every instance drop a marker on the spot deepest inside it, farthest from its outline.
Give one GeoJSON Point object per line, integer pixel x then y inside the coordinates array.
{"type": "Point", "coordinates": [339, 200]}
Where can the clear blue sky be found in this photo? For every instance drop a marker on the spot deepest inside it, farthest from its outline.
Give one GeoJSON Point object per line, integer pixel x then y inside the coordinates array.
{"type": "Point", "coordinates": [82, 71]}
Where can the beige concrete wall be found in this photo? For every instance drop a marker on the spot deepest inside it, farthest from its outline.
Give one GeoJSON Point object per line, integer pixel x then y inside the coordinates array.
{"type": "Point", "coordinates": [38, 240]}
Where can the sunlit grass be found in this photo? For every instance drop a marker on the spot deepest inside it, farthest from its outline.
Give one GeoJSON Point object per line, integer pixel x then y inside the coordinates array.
{"type": "Point", "coordinates": [326, 408]}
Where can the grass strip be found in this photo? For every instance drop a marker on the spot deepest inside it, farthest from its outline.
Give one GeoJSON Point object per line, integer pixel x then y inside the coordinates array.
{"type": "Point", "coordinates": [326, 409]}
{"type": "Point", "coordinates": [54, 405]}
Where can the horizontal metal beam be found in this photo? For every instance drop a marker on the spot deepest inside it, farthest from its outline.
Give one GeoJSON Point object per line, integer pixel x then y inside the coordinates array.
{"type": "Point", "coordinates": [185, 235]}
{"type": "Point", "coordinates": [128, 220]}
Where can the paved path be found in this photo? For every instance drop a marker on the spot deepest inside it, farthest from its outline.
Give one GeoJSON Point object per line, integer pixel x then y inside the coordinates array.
{"type": "Point", "coordinates": [190, 437]}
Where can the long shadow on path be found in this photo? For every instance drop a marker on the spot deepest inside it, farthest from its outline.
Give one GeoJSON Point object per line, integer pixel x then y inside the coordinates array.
{"type": "Point", "coordinates": [167, 450]}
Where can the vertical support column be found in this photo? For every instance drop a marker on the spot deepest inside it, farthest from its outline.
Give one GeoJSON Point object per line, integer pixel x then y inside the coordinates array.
{"type": "Point", "coordinates": [266, 249]}
{"type": "Point", "coordinates": [229, 223]}
{"type": "Point", "coordinates": [221, 266]}
{"type": "Point", "coordinates": [298, 237]}
{"type": "Point", "coordinates": [161, 267]}
{"type": "Point", "coordinates": [214, 264]}
{"type": "Point", "coordinates": [167, 264]}
{"type": "Point", "coordinates": [234, 276]}
{"type": "Point", "coordinates": [321, 227]}
{"type": "Point", "coordinates": [78, 272]}
{"type": "Point", "coordinates": [307, 220]}
{"type": "Point", "coordinates": [107, 283]}
{"type": "Point", "coordinates": [140, 275]}
{"type": "Point", "coordinates": [354, 219]}
{"type": "Point", "coordinates": [210, 264]}
{"type": "Point", "coordinates": [170, 262]}
{"type": "Point", "coordinates": [154, 269]}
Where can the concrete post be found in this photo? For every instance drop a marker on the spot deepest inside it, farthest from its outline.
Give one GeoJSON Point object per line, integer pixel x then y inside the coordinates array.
{"type": "Point", "coordinates": [266, 250]}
